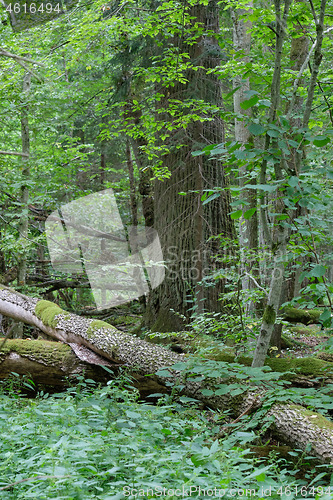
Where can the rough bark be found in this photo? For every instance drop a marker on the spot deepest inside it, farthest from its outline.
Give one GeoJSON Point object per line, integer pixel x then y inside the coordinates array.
{"type": "Point", "coordinates": [185, 226]}
{"type": "Point", "coordinates": [293, 423]}
{"type": "Point", "coordinates": [57, 365]}
{"type": "Point", "coordinates": [48, 363]}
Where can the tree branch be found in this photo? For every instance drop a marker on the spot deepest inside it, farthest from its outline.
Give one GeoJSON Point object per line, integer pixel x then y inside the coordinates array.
{"type": "Point", "coordinates": [17, 58]}
{"type": "Point", "coordinates": [13, 153]}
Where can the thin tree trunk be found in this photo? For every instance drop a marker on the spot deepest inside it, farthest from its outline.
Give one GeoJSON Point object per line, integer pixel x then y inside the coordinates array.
{"type": "Point", "coordinates": [282, 231]}
{"type": "Point", "coordinates": [133, 200]}
{"type": "Point", "coordinates": [24, 220]}
{"type": "Point", "coordinates": [298, 54]}
{"type": "Point", "coordinates": [248, 229]}
{"type": "Point", "coordinates": [24, 198]}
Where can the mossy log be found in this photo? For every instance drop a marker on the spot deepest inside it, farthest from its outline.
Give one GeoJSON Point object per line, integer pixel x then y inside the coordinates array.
{"type": "Point", "coordinates": [326, 356]}
{"type": "Point", "coordinates": [291, 423]}
{"type": "Point", "coordinates": [56, 365]}
{"type": "Point", "coordinates": [47, 363]}
{"type": "Point", "coordinates": [305, 316]}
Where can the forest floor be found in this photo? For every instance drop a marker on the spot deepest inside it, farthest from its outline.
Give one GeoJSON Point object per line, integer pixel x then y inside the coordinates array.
{"type": "Point", "coordinates": [310, 338]}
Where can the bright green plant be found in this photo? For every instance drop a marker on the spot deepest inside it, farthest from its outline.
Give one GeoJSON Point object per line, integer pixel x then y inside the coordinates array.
{"type": "Point", "coordinates": [101, 444]}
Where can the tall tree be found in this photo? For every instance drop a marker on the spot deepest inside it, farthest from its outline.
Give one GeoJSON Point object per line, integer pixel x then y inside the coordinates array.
{"type": "Point", "coordinates": [248, 230]}
{"type": "Point", "coordinates": [187, 227]}
{"type": "Point", "coordinates": [281, 166]}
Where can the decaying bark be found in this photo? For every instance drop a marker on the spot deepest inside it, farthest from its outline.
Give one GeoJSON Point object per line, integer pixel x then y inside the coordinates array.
{"type": "Point", "coordinates": [56, 365]}
{"type": "Point", "coordinates": [48, 363]}
{"type": "Point", "coordinates": [146, 359]}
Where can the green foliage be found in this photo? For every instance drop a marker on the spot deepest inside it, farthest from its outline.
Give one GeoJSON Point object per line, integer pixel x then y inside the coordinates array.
{"type": "Point", "coordinates": [98, 443]}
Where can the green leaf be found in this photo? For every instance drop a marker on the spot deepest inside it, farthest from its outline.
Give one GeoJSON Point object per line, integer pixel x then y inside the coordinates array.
{"type": "Point", "coordinates": [250, 102]}
{"type": "Point", "coordinates": [250, 93]}
{"type": "Point", "coordinates": [214, 447]}
{"type": "Point", "coordinates": [304, 202]}
{"type": "Point", "coordinates": [223, 390]}
{"type": "Point", "coordinates": [207, 392]}
{"type": "Point", "coordinates": [293, 181]}
{"type": "Point", "coordinates": [163, 373]}
{"type": "Point", "coordinates": [262, 187]}
{"type": "Point", "coordinates": [317, 271]}
{"type": "Point", "coordinates": [273, 133]}
{"type": "Point", "coordinates": [264, 102]}
{"type": "Point", "coordinates": [236, 215]}
{"type": "Point", "coordinates": [325, 317]}
{"type": "Point", "coordinates": [218, 151]}
{"type": "Point", "coordinates": [256, 129]}
{"type": "Point", "coordinates": [321, 140]}
{"type": "Point", "coordinates": [243, 154]}
{"type": "Point", "coordinates": [211, 198]}
{"type": "Point", "coordinates": [248, 214]}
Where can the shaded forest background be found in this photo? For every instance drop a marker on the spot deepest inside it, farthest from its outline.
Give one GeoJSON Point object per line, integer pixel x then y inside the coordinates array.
{"type": "Point", "coordinates": [211, 125]}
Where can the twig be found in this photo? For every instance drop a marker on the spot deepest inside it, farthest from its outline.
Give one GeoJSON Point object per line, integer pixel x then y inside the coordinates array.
{"type": "Point", "coordinates": [256, 283]}
{"type": "Point", "coordinates": [225, 428]}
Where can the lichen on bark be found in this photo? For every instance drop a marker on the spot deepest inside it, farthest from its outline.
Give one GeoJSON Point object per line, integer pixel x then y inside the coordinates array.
{"type": "Point", "coordinates": [97, 325]}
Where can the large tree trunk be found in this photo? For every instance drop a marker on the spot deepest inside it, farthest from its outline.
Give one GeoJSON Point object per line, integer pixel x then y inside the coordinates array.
{"type": "Point", "coordinates": [292, 423]}
{"type": "Point", "coordinates": [187, 228]}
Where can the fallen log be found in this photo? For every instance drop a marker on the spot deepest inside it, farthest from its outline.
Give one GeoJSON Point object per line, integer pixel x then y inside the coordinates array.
{"type": "Point", "coordinates": [121, 348]}
{"type": "Point", "coordinates": [55, 365]}
{"type": "Point", "coordinates": [305, 316]}
{"type": "Point", "coordinates": [47, 363]}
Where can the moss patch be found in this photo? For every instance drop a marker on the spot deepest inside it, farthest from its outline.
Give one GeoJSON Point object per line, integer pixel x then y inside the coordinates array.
{"type": "Point", "coordinates": [311, 367]}
{"type": "Point", "coordinates": [39, 350]}
{"type": "Point", "coordinates": [97, 325]}
{"type": "Point", "coordinates": [326, 356]}
{"type": "Point", "coordinates": [306, 366]}
{"type": "Point", "coordinates": [269, 315]}
{"type": "Point", "coordinates": [306, 316]}
{"type": "Point", "coordinates": [47, 312]}
{"type": "Point", "coordinates": [315, 418]}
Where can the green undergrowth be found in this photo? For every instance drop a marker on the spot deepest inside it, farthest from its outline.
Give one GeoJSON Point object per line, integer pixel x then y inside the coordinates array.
{"type": "Point", "coordinates": [129, 322]}
{"type": "Point", "coordinates": [312, 367]}
{"type": "Point", "coordinates": [101, 443]}
{"type": "Point", "coordinates": [312, 330]}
